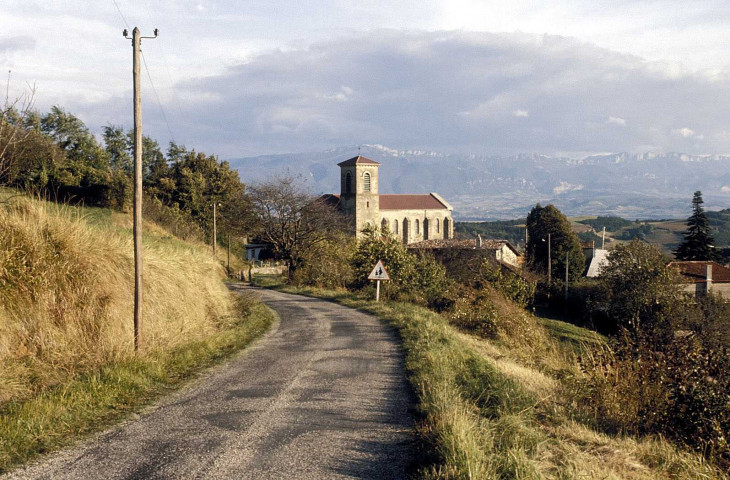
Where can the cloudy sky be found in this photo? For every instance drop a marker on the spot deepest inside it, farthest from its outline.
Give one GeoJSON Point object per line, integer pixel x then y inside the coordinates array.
{"type": "Point", "coordinates": [241, 78]}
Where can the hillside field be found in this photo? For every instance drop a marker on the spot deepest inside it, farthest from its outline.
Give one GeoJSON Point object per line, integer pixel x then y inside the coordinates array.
{"type": "Point", "coordinates": [67, 364]}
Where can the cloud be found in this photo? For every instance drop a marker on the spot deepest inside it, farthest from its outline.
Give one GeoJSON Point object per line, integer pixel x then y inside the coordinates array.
{"type": "Point", "coordinates": [16, 44]}
{"type": "Point", "coordinates": [455, 91]}
{"type": "Point", "coordinates": [684, 132]}
{"type": "Point", "coordinates": [616, 121]}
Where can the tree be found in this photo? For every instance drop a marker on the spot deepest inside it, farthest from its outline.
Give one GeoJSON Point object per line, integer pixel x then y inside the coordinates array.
{"type": "Point", "coordinates": [17, 120]}
{"type": "Point", "coordinates": [698, 243]}
{"type": "Point", "coordinates": [639, 291]}
{"type": "Point", "coordinates": [118, 147]}
{"type": "Point", "coordinates": [542, 221]}
{"type": "Point", "coordinates": [292, 220]}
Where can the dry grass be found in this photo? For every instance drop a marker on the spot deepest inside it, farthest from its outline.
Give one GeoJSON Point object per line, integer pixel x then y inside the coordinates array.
{"type": "Point", "coordinates": [66, 283]}
{"type": "Point", "coordinates": [499, 408]}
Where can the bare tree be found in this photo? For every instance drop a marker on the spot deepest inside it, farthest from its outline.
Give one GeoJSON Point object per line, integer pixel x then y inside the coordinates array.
{"type": "Point", "coordinates": [291, 219]}
{"type": "Point", "coordinates": [15, 125]}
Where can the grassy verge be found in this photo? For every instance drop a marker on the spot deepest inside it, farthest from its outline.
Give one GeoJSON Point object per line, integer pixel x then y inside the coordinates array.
{"type": "Point", "coordinates": [488, 410]}
{"type": "Point", "coordinates": [91, 401]}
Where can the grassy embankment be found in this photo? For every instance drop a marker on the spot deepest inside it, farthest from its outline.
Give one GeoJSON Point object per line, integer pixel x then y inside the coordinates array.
{"type": "Point", "coordinates": [67, 365]}
{"type": "Point", "coordinates": [503, 408]}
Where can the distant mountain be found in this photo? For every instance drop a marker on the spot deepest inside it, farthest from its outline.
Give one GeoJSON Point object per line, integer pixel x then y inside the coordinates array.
{"type": "Point", "coordinates": [480, 187]}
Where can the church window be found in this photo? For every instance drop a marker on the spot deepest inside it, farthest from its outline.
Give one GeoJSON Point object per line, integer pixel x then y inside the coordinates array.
{"type": "Point", "coordinates": [395, 226]}
{"type": "Point", "coordinates": [366, 182]}
{"type": "Point", "coordinates": [417, 229]}
{"type": "Point", "coordinates": [348, 183]}
{"type": "Point", "coordinates": [383, 225]}
{"type": "Point", "coordinates": [437, 225]}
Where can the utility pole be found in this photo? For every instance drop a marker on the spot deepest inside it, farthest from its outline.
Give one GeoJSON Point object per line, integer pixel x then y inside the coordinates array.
{"type": "Point", "coordinates": [525, 242]}
{"type": "Point", "coordinates": [603, 242]}
{"type": "Point", "coordinates": [550, 264]}
{"type": "Point", "coordinates": [137, 215]}
{"type": "Point", "coordinates": [566, 276]}
{"type": "Point", "coordinates": [215, 235]}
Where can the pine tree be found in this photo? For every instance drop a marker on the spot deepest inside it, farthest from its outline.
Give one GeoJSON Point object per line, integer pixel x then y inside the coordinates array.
{"type": "Point", "coordinates": [698, 243]}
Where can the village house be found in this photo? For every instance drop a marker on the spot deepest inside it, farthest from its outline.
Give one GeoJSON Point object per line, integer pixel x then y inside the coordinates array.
{"type": "Point", "coordinates": [410, 217]}
{"type": "Point", "coordinates": [501, 251]}
{"type": "Point", "coordinates": [464, 258]}
{"type": "Point", "coordinates": [700, 277]}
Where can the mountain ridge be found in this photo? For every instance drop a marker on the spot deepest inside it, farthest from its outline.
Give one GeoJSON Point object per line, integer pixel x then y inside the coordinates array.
{"type": "Point", "coordinates": [646, 185]}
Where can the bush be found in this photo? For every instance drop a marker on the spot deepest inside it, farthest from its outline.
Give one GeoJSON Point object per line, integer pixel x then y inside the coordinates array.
{"type": "Point", "coordinates": [327, 265]}
{"type": "Point", "coordinates": [513, 286]}
{"type": "Point", "coordinates": [414, 277]}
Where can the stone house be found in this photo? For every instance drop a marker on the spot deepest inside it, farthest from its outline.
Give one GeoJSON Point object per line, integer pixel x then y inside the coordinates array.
{"type": "Point", "coordinates": [410, 217]}
{"type": "Point", "coordinates": [701, 277]}
{"type": "Point", "coordinates": [502, 251]}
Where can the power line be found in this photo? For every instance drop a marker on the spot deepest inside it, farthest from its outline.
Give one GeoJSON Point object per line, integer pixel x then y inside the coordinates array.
{"type": "Point", "coordinates": [164, 115]}
{"type": "Point", "coordinates": [175, 102]}
{"type": "Point", "coordinates": [121, 14]}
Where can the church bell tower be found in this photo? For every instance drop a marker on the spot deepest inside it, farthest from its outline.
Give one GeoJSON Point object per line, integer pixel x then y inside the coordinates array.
{"type": "Point", "coordinates": [359, 192]}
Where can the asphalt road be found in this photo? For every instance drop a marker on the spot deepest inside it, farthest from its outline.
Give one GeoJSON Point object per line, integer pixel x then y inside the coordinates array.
{"type": "Point", "coordinates": [323, 395]}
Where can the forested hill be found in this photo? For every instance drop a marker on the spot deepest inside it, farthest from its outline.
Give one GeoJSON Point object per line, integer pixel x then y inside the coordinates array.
{"type": "Point", "coordinates": [665, 233]}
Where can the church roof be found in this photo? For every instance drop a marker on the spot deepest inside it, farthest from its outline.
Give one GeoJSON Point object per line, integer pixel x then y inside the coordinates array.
{"type": "Point", "coordinates": [411, 202]}
{"type": "Point", "coordinates": [359, 160]}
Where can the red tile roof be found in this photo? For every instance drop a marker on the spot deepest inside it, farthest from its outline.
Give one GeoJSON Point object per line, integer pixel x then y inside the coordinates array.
{"type": "Point", "coordinates": [357, 161]}
{"type": "Point", "coordinates": [410, 202]}
{"type": "Point", "coordinates": [695, 271]}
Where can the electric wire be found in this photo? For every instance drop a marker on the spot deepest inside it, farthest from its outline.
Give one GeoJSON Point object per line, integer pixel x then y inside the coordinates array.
{"type": "Point", "coordinates": [149, 76]}
{"type": "Point", "coordinates": [121, 14]}
{"type": "Point", "coordinates": [164, 115]}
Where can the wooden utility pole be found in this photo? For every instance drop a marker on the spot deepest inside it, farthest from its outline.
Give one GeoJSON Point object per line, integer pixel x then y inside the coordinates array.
{"type": "Point", "coordinates": [566, 275]}
{"type": "Point", "coordinates": [550, 263]}
{"type": "Point", "coordinates": [137, 207]}
{"type": "Point", "coordinates": [215, 234]}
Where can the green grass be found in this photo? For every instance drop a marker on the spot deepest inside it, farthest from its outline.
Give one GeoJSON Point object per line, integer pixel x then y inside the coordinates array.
{"type": "Point", "coordinates": [571, 335]}
{"type": "Point", "coordinates": [92, 401]}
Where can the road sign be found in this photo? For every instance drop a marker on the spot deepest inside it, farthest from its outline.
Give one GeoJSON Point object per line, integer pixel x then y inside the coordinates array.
{"type": "Point", "coordinates": [379, 272]}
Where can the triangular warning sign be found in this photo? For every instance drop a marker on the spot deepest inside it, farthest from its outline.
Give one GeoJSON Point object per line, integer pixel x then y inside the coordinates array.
{"type": "Point", "coordinates": [379, 272]}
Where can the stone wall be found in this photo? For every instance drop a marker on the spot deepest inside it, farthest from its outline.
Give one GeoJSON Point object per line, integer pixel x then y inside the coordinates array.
{"type": "Point", "coordinates": [431, 222]}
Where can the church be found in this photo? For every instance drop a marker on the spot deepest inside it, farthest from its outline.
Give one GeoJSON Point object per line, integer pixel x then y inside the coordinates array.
{"type": "Point", "coordinates": [411, 218]}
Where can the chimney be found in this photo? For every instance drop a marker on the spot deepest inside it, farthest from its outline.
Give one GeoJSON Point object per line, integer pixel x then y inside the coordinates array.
{"type": "Point", "coordinates": [479, 241]}
{"type": "Point", "coordinates": [708, 277]}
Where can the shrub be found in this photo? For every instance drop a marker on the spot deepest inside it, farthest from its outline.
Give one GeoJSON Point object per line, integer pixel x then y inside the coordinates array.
{"type": "Point", "coordinates": [415, 277]}
{"type": "Point", "coordinates": [513, 286]}
{"type": "Point", "coordinates": [327, 265]}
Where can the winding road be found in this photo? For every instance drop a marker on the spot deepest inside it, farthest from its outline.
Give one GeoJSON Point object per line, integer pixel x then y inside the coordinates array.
{"type": "Point", "coordinates": [323, 395]}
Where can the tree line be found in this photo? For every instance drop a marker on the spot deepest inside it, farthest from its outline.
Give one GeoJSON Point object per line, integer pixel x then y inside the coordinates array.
{"type": "Point", "coordinates": [56, 155]}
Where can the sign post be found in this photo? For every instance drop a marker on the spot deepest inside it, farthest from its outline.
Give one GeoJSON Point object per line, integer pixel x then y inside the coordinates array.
{"type": "Point", "coordinates": [379, 273]}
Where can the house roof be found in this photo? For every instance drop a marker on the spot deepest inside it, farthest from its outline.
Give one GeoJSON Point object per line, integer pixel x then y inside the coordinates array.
{"type": "Point", "coordinates": [412, 202]}
{"type": "Point", "coordinates": [359, 160]}
{"type": "Point", "coordinates": [599, 260]}
{"type": "Point", "coordinates": [331, 199]}
{"type": "Point", "coordinates": [696, 271]}
{"type": "Point", "coordinates": [469, 243]}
